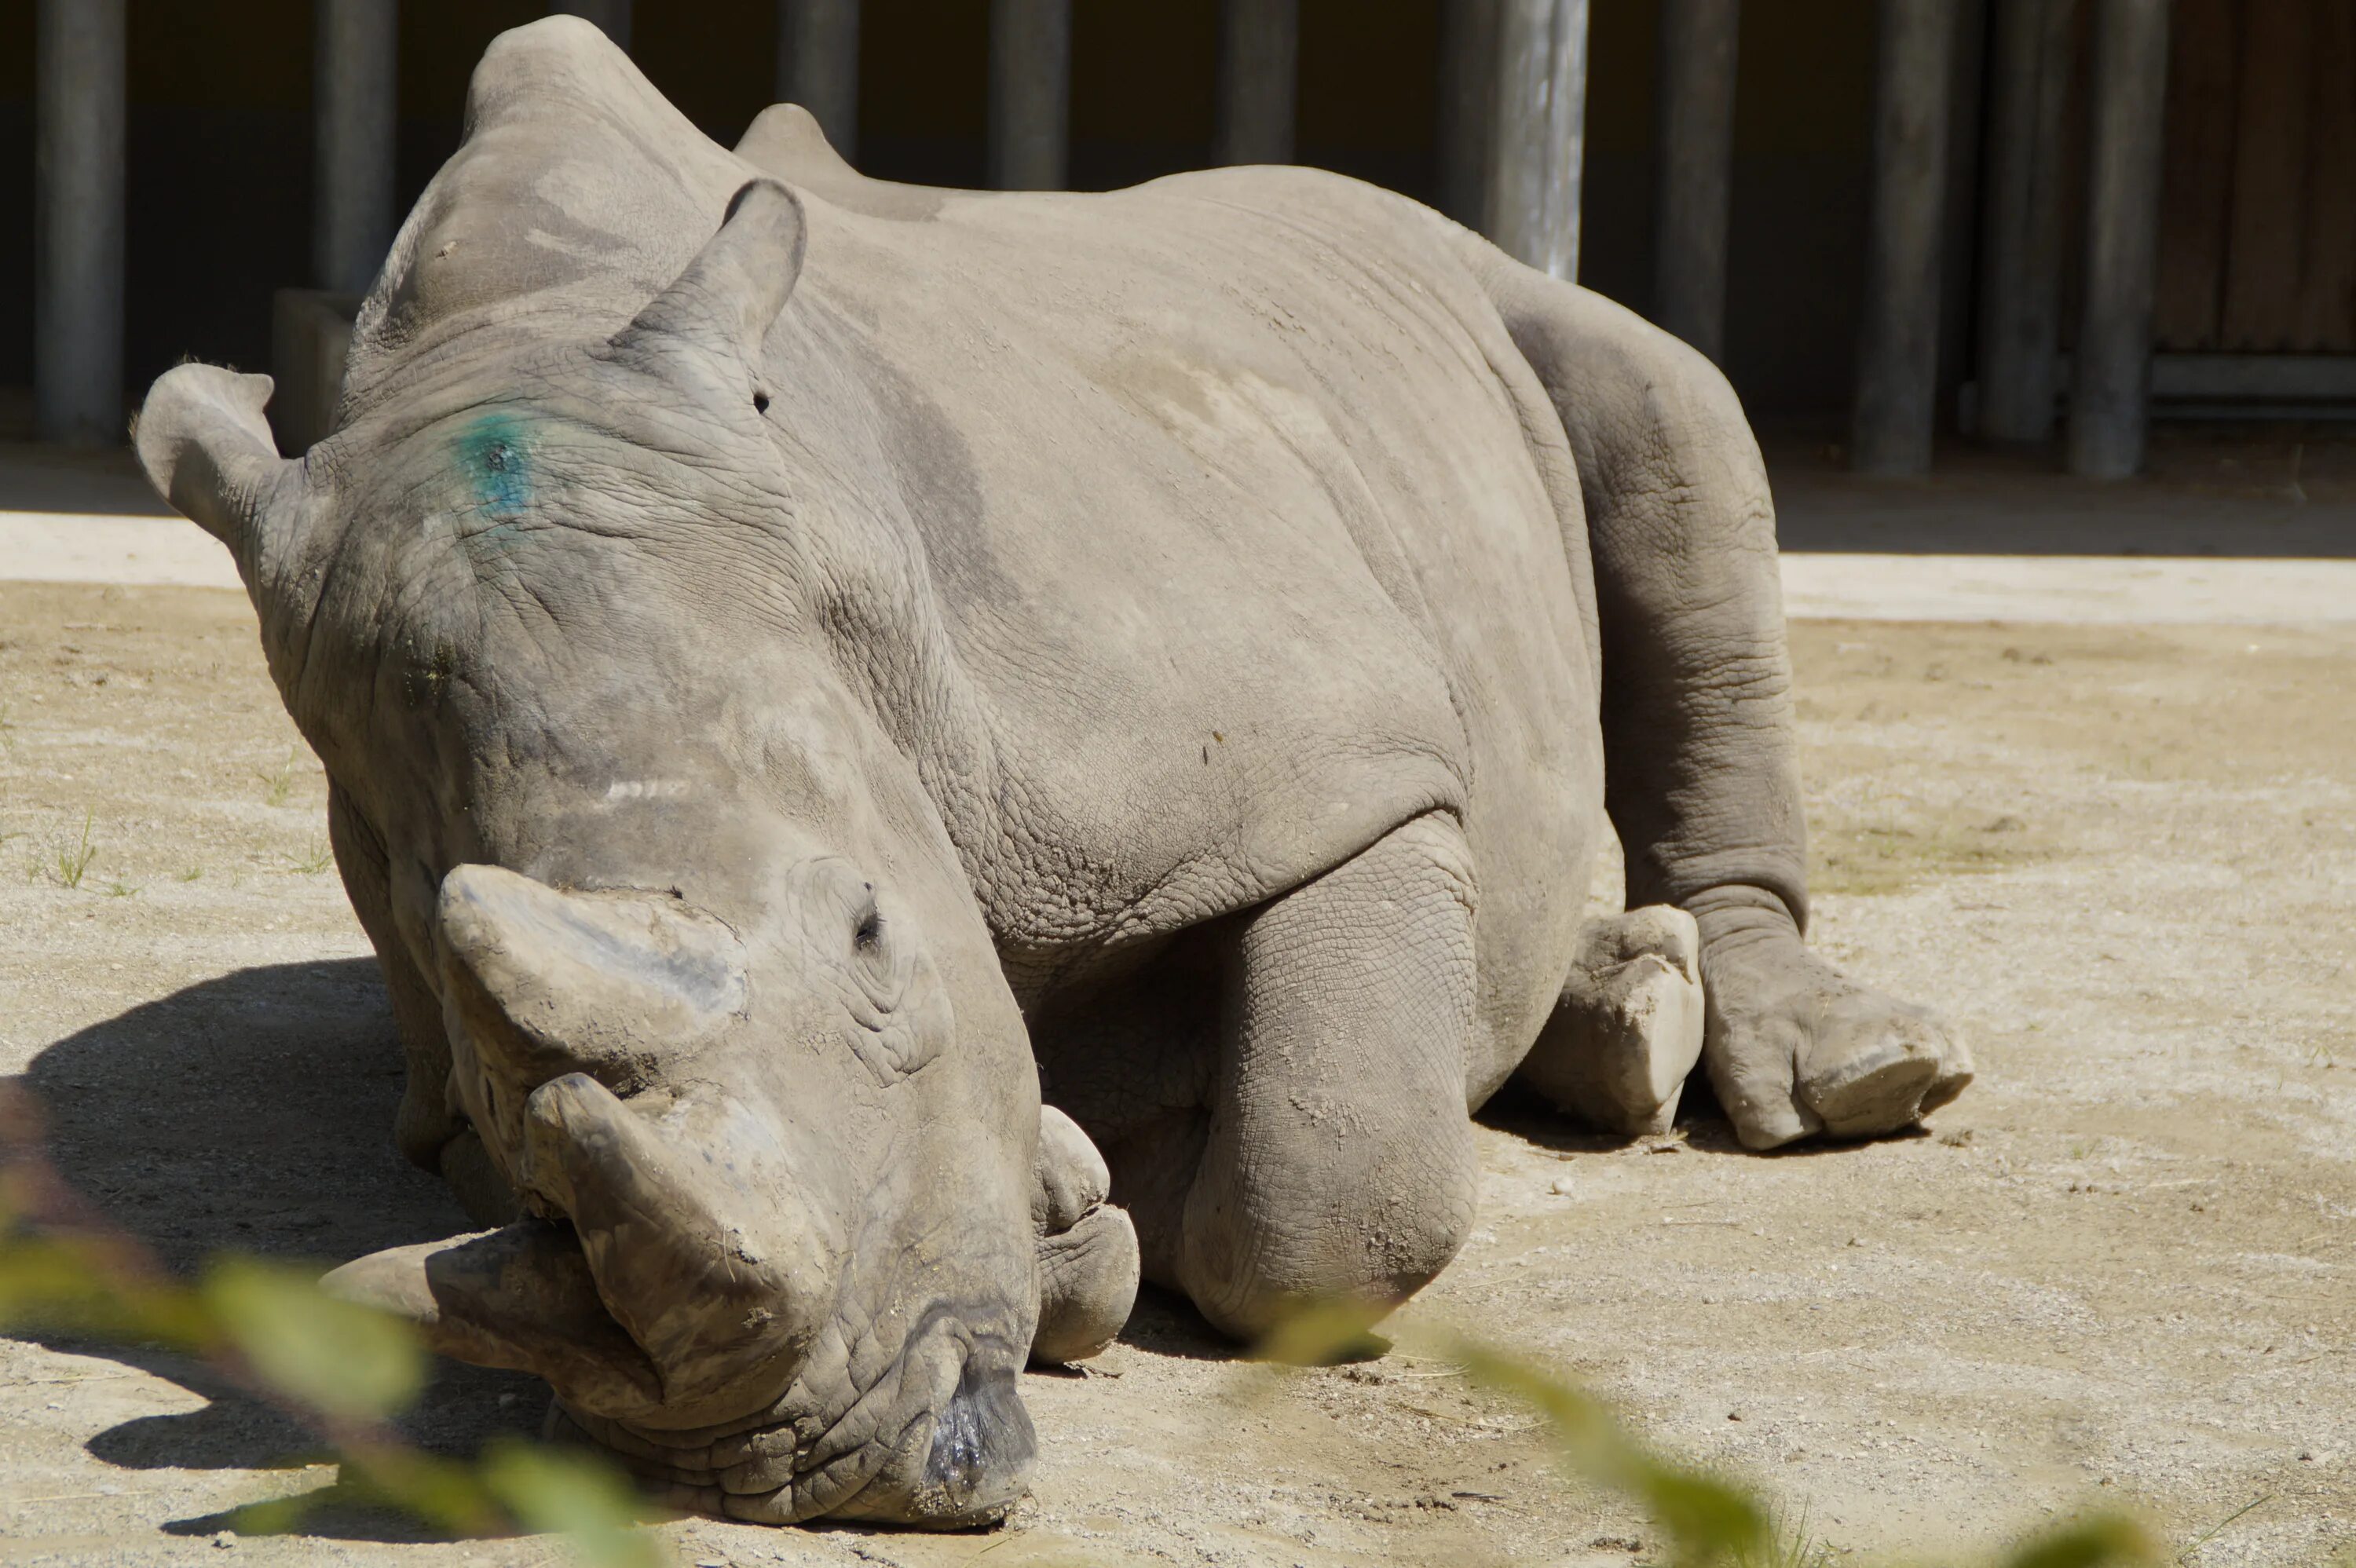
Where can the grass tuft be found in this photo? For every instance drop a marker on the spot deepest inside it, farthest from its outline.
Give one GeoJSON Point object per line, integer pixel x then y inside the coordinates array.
{"type": "Point", "coordinates": [1787, 1542]}
{"type": "Point", "coordinates": [277, 786]}
{"type": "Point", "coordinates": [73, 861]}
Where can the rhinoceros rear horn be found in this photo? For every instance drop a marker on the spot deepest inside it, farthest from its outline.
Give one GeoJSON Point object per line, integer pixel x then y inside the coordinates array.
{"type": "Point", "coordinates": [731, 294]}
{"type": "Point", "coordinates": [207, 451]}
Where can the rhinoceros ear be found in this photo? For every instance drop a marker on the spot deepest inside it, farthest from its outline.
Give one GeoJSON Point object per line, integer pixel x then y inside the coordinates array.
{"type": "Point", "coordinates": [206, 449]}
{"type": "Point", "coordinates": [732, 292]}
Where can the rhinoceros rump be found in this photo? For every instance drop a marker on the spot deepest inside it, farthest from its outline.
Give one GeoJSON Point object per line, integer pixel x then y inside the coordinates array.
{"type": "Point", "coordinates": [780, 716]}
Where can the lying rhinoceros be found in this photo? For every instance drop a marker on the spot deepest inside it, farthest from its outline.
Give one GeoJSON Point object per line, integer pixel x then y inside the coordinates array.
{"type": "Point", "coordinates": [807, 666]}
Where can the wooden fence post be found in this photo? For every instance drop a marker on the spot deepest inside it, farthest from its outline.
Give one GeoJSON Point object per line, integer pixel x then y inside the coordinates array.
{"type": "Point", "coordinates": [354, 45]}
{"type": "Point", "coordinates": [818, 66]}
{"type": "Point", "coordinates": [1259, 66]}
{"type": "Point", "coordinates": [2020, 299]}
{"type": "Point", "coordinates": [1696, 179]}
{"type": "Point", "coordinates": [1030, 94]}
{"type": "Point", "coordinates": [1537, 131]}
{"type": "Point", "coordinates": [2110, 390]}
{"type": "Point", "coordinates": [77, 162]}
{"type": "Point", "coordinates": [1898, 341]}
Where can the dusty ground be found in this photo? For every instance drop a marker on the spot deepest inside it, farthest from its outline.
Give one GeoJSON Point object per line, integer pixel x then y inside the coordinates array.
{"type": "Point", "coordinates": [2119, 1272]}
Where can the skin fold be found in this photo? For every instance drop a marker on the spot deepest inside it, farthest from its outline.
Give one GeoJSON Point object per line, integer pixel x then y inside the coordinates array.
{"type": "Point", "coordinates": [911, 757]}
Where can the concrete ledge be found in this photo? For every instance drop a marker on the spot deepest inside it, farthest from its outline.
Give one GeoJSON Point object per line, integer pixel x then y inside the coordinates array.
{"type": "Point", "coordinates": [310, 333]}
{"type": "Point", "coordinates": [68, 547]}
{"type": "Point", "coordinates": [2079, 590]}
{"type": "Point", "coordinates": [90, 546]}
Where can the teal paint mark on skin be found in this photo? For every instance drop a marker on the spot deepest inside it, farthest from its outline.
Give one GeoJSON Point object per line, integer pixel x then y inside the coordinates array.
{"type": "Point", "coordinates": [498, 462]}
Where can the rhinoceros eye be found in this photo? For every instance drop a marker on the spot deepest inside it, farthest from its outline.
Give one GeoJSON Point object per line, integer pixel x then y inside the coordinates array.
{"type": "Point", "coordinates": [881, 971]}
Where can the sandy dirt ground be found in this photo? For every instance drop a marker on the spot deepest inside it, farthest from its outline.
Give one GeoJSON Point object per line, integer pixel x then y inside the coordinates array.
{"type": "Point", "coordinates": [2118, 1272]}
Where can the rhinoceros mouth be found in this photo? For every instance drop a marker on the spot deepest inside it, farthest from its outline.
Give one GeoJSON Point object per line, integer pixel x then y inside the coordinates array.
{"type": "Point", "coordinates": [940, 1439]}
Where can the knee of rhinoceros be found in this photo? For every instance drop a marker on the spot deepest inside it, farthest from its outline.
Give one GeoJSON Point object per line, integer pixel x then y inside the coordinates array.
{"type": "Point", "coordinates": [1377, 1243]}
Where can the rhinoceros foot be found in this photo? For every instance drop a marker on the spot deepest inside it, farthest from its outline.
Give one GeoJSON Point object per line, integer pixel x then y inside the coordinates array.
{"type": "Point", "coordinates": [1628, 1028]}
{"type": "Point", "coordinates": [1795, 1048]}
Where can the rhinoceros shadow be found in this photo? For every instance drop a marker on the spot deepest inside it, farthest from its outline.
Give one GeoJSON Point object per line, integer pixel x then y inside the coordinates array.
{"type": "Point", "coordinates": [254, 1113]}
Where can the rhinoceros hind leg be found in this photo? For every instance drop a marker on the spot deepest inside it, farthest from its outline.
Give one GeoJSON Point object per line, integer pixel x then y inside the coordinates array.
{"type": "Point", "coordinates": [1628, 1029]}
{"type": "Point", "coordinates": [1087, 1248]}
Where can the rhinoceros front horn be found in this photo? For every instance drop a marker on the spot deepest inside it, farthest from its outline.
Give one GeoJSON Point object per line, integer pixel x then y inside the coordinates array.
{"type": "Point", "coordinates": [538, 982]}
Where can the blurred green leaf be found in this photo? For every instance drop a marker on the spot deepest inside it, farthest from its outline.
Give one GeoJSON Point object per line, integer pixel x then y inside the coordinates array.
{"type": "Point", "coordinates": [1321, 1333]}
{"type": "Point", "coordinates": [577, 1495]}
{"type": "Point", "coordinates": [446, 1493]}
{"type": "Point", "coordinates": [276, 1516]}
{"type": "Point", "coordinates": [67, 1284]}
{"type": "Point", "coordinates": [334, 1356]}
{"type": "Point", "coordinates": [1705, 1519]}
{"type": "Point", "coordinates": [2088, 1543]}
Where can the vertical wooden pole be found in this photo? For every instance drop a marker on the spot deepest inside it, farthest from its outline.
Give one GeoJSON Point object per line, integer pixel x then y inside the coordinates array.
{"type": "Point", "coordinates": [612, 16]}
{"type": "Point", "coordinates": [1030, 94]}
{"type": "Point", "coordinates": [77, 160]}
{"type": "Point", "coordinates": [818, 66]}
{"type": "Point", "coordinates": [1468, 80]}
{"type": "Point", "coordinates": [2110, 391]}
{"type": "Point", "coordinates": [1696, 71]}
{"type": "Point", "coordinates": [2020, 304]}
{"type": "Point", "coordinates": [1898, 341]}
{"type": "Point", "coordinates": [1538, 131]}
{"type": "Point", "coordinates": [1960, 230]}
{"type": "Point", "coordinates": [354, 46]}
{"type": "Point", "coordinates": [1259, 66]}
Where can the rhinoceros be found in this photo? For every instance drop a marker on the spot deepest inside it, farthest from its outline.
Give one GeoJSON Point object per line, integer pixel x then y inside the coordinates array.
{"type": "Point", "coordinates": [910, 754]}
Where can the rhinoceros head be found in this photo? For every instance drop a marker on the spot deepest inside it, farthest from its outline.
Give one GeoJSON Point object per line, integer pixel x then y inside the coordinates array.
{"type": "Point", "coordinates": [604, 674]}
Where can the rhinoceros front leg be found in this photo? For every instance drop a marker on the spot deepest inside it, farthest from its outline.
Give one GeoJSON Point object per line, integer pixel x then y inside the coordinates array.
{"type": "Point", "coordinates": [1628, 1028]}
{"type": "Point", "coordinates": [1700, 757]}
{"type": "Point", "coordinates": [427, 1129]}
{"type": "Point", "coordinates": [1337, 1158]}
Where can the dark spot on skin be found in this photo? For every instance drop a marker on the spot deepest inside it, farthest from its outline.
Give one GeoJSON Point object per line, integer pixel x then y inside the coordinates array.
{"type": "Point", "coordinates": [982, 1436]}
{"type": "Point", "coordinates": [760, 402]}
{"type": "Point", "coordinates": [428, 680]}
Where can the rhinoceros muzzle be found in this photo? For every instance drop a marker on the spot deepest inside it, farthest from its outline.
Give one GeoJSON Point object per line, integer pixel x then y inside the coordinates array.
{"type": "Point", "coordinates": [671, 1280]}
{"type": "Point", "coordinates": [560, 1005]}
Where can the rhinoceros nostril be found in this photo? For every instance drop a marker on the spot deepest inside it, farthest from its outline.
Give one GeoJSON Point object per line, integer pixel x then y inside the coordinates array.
{"type": "Point", "coordinates": [982, 1436]}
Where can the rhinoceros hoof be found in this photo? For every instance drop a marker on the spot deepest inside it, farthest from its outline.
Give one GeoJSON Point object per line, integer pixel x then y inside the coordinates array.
{"type": "Point", "coordinates": [1628, 1029]}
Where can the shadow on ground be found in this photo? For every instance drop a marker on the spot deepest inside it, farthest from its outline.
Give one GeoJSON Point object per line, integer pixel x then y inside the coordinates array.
{"type": "Point", "coordinates": [254, 1113]}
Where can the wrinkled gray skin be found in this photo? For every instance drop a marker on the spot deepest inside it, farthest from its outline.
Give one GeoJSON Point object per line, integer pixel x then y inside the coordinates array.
{"type": "Point", "coordinates": [783, 679]}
